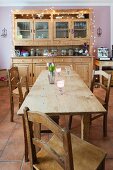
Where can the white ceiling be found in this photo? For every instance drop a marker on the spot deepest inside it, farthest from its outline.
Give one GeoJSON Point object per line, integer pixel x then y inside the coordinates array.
{"type": "Point", "coordinates": [55, 2]}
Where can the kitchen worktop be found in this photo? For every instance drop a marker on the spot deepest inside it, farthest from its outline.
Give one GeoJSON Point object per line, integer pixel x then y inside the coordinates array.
{"type": "Point", "coordinates": [32, 57]}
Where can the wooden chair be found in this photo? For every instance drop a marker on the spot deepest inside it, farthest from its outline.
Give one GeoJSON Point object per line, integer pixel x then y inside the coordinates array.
{"type": "Point", "coordinates": [14, 78]}
{"type": "Point", "coordinates": [21, 99]}
{"type": "Point", "coordinates": [19, 87]}
{"type": "Point", "coordinates": [63, 151]}
{"type": "Point", "coordinates": [104, 99]}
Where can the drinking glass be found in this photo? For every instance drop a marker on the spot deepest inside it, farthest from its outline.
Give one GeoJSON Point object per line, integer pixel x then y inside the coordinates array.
{"type": "Point", "coordinates": [60, 85]}
{"type": "Point", "coordinates": [68, 69]}
{"type": "Point", "coordinates": [58, 70]}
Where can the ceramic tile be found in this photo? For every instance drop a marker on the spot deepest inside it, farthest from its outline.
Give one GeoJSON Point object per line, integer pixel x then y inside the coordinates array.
{"type": "Point", "coordinates": [10, 165]}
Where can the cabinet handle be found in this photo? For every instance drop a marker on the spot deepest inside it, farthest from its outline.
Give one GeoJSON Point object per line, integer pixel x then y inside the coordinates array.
{"type": "Point", "coordinates": [30, 74]}
{"type": "Point", "coordinates": [31, 30]}
{"type": "Point", "coordinates": [72, 31]}
{"type": "Point", "coordinates": [33, 74]}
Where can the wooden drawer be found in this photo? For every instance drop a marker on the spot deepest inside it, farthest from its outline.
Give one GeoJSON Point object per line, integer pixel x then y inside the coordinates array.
{"type": "Point", "coordinates": [42, 60]}
{"type": "Point", "coordinates": [82, 59]}
{"type": "Point", "coordinates": [22, 60]}
{"type": "Point", "coordinates": [62, 60]}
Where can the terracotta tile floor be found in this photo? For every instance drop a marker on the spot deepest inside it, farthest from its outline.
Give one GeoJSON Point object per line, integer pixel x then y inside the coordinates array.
{"type": "Point", "coordinates": [11, 135]}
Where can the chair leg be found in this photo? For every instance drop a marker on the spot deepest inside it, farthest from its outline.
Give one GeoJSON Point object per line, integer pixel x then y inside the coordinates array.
{"type": "Point", "coordinates": [25, 140]}
{"type": "Point", "coordinates": [70, 122]}
{"type": "Point", "coordinates": [12, 109]}
{"type": "Point", "coordinates": [105, 125]}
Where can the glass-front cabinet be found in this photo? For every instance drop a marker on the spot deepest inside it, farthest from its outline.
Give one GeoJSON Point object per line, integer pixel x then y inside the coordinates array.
{"type": "Point", "coordinates": [24, 29]}
{"type": "Point", "coordinates": [80, 29]}
{"type": "Point", "coordinates": [61, 30]}
{"type": "Point", "coordinates": [32, 29]}
{"type": "Point", "coordinates": [42, 30]}
{"type": "Point", "coordinates": [71, 29]}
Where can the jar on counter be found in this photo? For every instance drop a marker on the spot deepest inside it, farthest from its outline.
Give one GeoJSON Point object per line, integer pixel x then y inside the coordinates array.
{"type": "Point", "coordinates": [70, 52]}
{"type": "Point", "coordinates": [63, 52]}
{"type": "Point", "coordinates": [76, 52]}
{"type": "Point", "coordinates": [45, 52]}
{"type": "Point", "coordinates": [32, 52]}
{"type": "Point", "coordinates": [38, 52]}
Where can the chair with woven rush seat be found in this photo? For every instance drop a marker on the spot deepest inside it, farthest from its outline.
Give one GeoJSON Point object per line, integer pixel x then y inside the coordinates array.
{"type": "Point", "coordinates": [105, 98]}
{"type": "Point", "coordinates": [14, 78]}
{"type": "Point", "coordinates": [19, 87]}
{"type": "Point", "coordinates": [21, 99]}
{"type": "Point", "coordinates": [63, 151]}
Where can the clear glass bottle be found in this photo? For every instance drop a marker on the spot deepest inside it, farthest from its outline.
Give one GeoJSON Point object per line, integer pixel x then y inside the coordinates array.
{"type": "Point", "coordinates": [32, 52]}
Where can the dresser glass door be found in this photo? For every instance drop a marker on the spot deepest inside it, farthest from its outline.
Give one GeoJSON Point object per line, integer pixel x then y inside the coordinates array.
{"type": "Point", "coordinates": [61, 30]}
{"type": "Point", "coordinates": [79, 29]}
{"type": "Point", "coordinates": [24, 30]}
{"type": "Point", "coordinates": [41, 30]}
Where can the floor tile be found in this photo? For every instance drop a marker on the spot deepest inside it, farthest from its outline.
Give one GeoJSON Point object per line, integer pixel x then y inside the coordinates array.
{"type": "Point", "coordinates": [10, 165]}
{"type": "Point", "coordinates": [12, 142]}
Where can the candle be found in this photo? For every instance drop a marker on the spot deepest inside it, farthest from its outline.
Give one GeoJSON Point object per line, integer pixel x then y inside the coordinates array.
{"type": "Point", "coordinates": [58, 70]}
{"type": "Point", "coordinates": [60, 83]}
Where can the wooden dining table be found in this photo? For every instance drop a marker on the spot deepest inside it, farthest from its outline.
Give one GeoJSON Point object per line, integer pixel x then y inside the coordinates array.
{"type": "Point", "coordinates": [77, 99]}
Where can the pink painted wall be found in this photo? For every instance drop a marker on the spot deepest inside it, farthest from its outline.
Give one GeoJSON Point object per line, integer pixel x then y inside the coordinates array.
{"type": "Point", "coordinates": [102, 19]}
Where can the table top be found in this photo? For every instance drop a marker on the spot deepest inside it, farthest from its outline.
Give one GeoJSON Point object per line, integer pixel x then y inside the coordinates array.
{"type": "Point", "coordinates": [76, 98]}
{"type": "Point", "coordinates": [104, 63]}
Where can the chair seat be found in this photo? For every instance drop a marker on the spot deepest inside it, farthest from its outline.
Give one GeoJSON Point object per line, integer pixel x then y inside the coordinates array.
{"type": "Point", "coordinates": [16, 92]}
{"type": "Point", "coordinates": [101, 101]}
{"type": "Point", "coordinates": [82, 152]}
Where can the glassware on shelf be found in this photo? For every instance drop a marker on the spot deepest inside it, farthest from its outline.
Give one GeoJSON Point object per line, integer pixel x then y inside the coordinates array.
{"type": "Point", "coordinates": [38, 52]}
{"type": "Point", "coordinates": [63, 52]}
{"type": "Point", "coordinates": [32, 52]}
{"type": "Point", "coordinates": [45, 52]}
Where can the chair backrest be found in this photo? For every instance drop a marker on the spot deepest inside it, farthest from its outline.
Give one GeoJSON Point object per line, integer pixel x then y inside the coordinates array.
{"type": "Point", "coordinates": [13, 77]}
{"type": "Point", "coordinates": [35, 118]}
{"type": "Point", "coordinates": [16, 84]}
{"type": "Point", "coordinates": [102, 74]}
{"type": "Point", "coordinates": [22, 94]}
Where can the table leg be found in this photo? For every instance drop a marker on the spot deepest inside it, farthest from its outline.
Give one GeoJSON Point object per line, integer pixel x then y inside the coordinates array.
{"type": "Point", "coordinates": [100, 68]}
{"type": "Point", "coordinates": [25, 140]}
{"type": "Point", "coordinates": [85, 126]}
